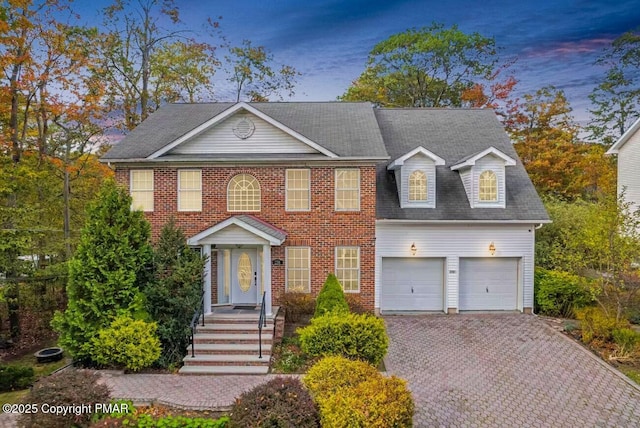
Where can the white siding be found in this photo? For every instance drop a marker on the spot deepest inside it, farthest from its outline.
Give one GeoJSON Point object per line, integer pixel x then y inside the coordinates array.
{"type": "Point", "coordinates": [628, 165]}
{"type": "Point", "coordinates": [467, 182]}
{"type": "Point", "coordinates": [453, 242]}
{"type": "Point", "coordinates": [496, 165]}
{"type": "Point", "coordinates": [426, 165]}
{"type": "Point", "coordinates": [220, 139]}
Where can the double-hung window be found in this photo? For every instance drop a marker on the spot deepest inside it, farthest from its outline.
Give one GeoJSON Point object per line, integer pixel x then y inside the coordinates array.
{"type": "Point", "coordinates": [348, 268]}
{"type": "Point", "coordinates": [141, 188]}
{"type": "Point", "coordinates": [190, 190]}
{"type": "Point", "coordinates": [347, 190]}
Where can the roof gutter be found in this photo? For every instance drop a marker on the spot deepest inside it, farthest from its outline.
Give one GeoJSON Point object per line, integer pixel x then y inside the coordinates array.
{"type": "Point", "coordinates": [405, 221]}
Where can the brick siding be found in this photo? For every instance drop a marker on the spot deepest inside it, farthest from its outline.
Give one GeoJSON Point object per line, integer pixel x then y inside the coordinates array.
{"type": "Point", "coordinates": [322, 228]}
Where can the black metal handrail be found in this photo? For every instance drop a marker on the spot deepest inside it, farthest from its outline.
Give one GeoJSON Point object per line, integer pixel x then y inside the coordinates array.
{"type": "Point", "coordinates": [261, 320]}
{"type": "Point", "coordinates": [194, 323]}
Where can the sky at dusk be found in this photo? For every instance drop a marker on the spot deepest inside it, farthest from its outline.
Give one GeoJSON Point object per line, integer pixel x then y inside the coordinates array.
{"type": "Point", "coordinates": [555, 42]}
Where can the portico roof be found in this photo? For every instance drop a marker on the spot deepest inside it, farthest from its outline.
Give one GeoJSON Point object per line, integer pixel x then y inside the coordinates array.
{"type": "Point", "coordinates": [249, 223]}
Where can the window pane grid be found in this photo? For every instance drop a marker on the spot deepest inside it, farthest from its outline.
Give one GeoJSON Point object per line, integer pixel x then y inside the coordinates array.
{"type": "Point", "coordinates": [243, 193]}
{"type": "Point", "coordinates": [142, 190]}
{"type": "Point", "coordinates": [348, 267]}
{"type": "Point", "coordinates": [190, 190]}
{"type": "Point", "coordinates": [347, 189]}
{"type": "Point", "coordinates": [298, 190]}
{"type": "Point", "coordinates": [298, 269]}
{"type": "Point", "coordinates": [488, 186]}
{"type": "Point", "coordinates": [418, 186]}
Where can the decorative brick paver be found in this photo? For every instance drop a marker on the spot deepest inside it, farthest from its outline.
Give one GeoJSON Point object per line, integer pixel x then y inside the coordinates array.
{"type": "Point", "coordinates": [495, 370]}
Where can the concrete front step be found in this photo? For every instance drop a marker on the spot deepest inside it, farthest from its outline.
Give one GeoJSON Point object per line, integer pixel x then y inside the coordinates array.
{"type": "Point", "coordinates": [233, 328]}
{"type": "Point", "coordinates": [224, 370]}
{"type": "Point", "coordinates": [228, 338]}
{"type": "Point", "coordinates": [229, 348]}
{"type": "Point", "coordinates": [227, 360]}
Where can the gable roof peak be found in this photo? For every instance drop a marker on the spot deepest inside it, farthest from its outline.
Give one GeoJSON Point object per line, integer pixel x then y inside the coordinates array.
{"type": "Point", "coordinates": [397, 163]}
{"type": "Point", "coordinates": [470, 160]}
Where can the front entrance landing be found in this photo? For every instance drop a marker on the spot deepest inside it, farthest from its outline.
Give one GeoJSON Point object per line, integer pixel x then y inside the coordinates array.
{"type": "Point", "coordinates": [230, 342]}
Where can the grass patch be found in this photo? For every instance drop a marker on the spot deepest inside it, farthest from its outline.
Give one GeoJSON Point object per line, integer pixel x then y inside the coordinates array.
{"type": "Point", "coordinates": [289, 358]}
{"type": "Point", "coordinates": [632, 373]}
{"type": "Point", "coordinates": [39, 370]}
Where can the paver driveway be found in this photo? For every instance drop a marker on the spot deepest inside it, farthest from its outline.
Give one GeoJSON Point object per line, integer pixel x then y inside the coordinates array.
{"type": "Point", "coordinates": [507, 370]}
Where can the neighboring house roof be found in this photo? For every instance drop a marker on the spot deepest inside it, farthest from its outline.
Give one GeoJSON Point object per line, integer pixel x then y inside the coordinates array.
{"type": "Point", "coordinates": [348, 130]}
{"type": "Point", "coordinates": [454, 135]}
{"type": "Point", "coordinates": [615, 148]}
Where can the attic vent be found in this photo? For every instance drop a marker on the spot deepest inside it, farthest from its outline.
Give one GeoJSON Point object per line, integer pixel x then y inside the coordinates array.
{"type": "Point", "coordinates": [244, 128]}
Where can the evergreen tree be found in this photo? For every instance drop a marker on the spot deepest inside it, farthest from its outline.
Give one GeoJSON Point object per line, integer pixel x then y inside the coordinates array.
{"type": "Point", "coordinates": [107, 272]}
{"type": "Point", "coordinates": [174, 293]}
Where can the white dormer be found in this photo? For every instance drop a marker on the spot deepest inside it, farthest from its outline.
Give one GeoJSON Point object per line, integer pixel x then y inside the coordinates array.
{"type": "Point", "coordinates": [484, 179]}
{"type": "Point", "coordinates": [415, 174]}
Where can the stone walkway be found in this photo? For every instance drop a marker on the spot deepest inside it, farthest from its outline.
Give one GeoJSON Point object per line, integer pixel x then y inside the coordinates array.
{"type": "Point", "coordinates": [505, 371]}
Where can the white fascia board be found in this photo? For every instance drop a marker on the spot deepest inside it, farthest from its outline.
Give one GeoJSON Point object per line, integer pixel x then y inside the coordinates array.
{"type": "Point", "coordinates": [228, 112]}
{"type": "Point", "coordinates": [508, 160]}
{"type": "Point", "coordinates": [401, 160]}
{"type": "Point", "coordinates": [403, 221]}
{"type": "Point", "coordinates": [615, 148]}
{"type": "Point", "coordinates": [195, 240]}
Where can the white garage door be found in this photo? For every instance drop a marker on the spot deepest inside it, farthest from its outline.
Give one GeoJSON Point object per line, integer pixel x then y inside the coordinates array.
{"type": "Point", "coordinates": [488, 284]}
{"type": "Point", "coordinates": [412, 284]}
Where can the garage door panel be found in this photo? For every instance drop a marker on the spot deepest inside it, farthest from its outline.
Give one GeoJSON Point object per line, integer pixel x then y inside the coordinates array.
{"type": "Point", "coordinates": [488, 284]}
{"type": "Point", "coordinates": [412, 284]}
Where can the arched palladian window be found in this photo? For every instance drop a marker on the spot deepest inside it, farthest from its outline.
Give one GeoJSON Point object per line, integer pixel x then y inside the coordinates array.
{"type": "Point", "coordinates": [417, 186]}
{"type": "Point", "coordinates": [488, 187]}
{"type": "Point", "coordinates": [243, 193]}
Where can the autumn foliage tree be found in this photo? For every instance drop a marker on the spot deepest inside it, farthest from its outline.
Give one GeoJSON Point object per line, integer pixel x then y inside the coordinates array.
{"type": "Point", "coordinates": [546, 139]}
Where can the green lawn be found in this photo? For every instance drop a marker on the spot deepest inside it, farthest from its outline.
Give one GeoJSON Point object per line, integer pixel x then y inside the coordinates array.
{"type": "Point", "coordinates": [40, 370]}
{"type": "Point", "coordinates": [632, 373]}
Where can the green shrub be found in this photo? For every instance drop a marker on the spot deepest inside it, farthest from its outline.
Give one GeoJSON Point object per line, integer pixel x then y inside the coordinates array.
{"type": "Point", "coordinates": [281, 402]}
{"type": "Point", "coordinates": [297, 305]}
{"type": "Point", "coordinates": [127, 342]}
{"type": "Point", "coordinates": [148, 421]}
{"type": "Point", "coordinates": [174, 293]}
{"type": "Point", "coordinates": [627, 340]}
{"type": "Point", "coordinates": [597, 325]}
{"type": "Point", "coordinates": [333, 373]}
{"type": "Point", "coordinates": [69, 387]}
{"type": "Point", "coordinates": [379, 402]}
{"type": "Point", "coordinates": [353, 336]}
{"type": "Point", "coordinates": [559, 294]}
{"type": "Point", "coordinates": [15, 377]}
{"type": "Point", "coordinates": [331, 297]}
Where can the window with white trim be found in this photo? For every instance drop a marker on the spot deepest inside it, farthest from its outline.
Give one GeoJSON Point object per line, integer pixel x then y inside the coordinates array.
{"type": "Point", "coordinates": [298, 260]}
{"type": "Point", "coordinates": [348, 268]}
{"type": "Point", "coordinates": [347, 190]}
{"type": "Point", "coordinates": [189, 190]}
{"type": "Point", "coordinates": [298, 190]}
{"type": "Point", "coordinates": [418, 186]}
{"type": "Point", "coordinates": [141, 189]}
{"type": "Point", "coordinates": [488, 187]}
{"type": "Point", "coordinates": [243, 193]}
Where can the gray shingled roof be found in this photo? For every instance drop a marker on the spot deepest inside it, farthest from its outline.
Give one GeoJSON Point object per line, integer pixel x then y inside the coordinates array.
{"type": "Point", "coordinates": [452, 134]}
{"type": "Point", "coordinates": [263, 226]}
{"type": "Point", "coordinates": [346, 129]}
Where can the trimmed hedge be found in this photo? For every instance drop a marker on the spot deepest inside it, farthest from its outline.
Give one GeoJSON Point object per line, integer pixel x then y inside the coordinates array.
{"type": "Point", "coordinates": [379, 402]}
{"type": "Point", "coordinates": [131, 343]}
{"type": "Point", "coordinates": [331, 298]}
{"type": "Point", "coordinates": [360, 337]}
{"type": "Point", "coordinates": [330, 374]}
{"type": "Point", "coordinates": [281, 402]}
{"type": "Point", "coordinates": [354, 394]}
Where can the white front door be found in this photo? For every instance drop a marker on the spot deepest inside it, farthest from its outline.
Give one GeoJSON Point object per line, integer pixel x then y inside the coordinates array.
{"type": "Point", "coordinates": [244, 277]}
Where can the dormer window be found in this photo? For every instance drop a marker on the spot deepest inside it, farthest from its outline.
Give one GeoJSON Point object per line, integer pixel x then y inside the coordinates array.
{"type": "Point", "coordinates": [488, 187]}
{"type": "Point", "coordinates": [418, 186]}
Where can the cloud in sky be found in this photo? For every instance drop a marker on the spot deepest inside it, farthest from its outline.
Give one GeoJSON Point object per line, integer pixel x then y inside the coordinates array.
{"type": "Point", "coordinates": [556, 41]}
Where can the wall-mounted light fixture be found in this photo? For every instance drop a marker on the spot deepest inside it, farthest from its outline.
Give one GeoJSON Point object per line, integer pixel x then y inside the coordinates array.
{"type": "Point", "coordinates": [492, 248]}
{"type": "Point", "coordinates": [414, 249]}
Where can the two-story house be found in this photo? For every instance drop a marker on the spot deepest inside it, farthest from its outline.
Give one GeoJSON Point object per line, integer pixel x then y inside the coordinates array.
{"type": "Point", "coordinates": [412, 209]}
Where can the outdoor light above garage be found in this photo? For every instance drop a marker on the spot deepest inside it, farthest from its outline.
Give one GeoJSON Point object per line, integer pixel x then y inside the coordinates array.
{"type": "Point", "coordinates": [492, 249]}
{"type": "Point", "coordinates": [414, 249]}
